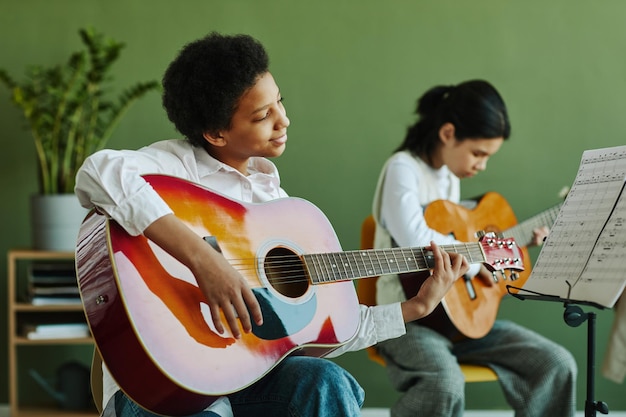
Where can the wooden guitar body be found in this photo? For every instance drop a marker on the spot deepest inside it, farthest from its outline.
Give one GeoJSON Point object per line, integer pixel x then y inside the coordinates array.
{"type": "Point", "coordinates": [470, 308]}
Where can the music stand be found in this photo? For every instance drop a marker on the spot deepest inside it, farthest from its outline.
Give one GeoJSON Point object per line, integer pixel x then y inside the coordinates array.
{"type": "Point", "coordinates": [574, 316]}
{"type": "Point", "coordinates": [581, 261]}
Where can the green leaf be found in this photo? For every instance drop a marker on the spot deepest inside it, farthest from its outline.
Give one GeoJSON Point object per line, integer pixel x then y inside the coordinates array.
{"type": "Point", "coordinates": [68, 109]}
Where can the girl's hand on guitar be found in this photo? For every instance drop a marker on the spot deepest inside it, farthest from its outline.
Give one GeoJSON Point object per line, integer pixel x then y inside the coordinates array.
{"type": "Point", "coordinates": [539, 235]}
{"type": "Point", "coordinates": [447, 268]}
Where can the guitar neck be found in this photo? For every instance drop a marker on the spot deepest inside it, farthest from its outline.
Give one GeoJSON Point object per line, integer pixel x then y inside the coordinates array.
{"type": "Point", "coordinates": [522, 233]}
{"type": "Point", "coordinates": [341, 266]}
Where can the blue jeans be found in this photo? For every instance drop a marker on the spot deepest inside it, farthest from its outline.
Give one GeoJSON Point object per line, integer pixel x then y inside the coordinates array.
{"type": "Point", "coordinates": [299, 386]}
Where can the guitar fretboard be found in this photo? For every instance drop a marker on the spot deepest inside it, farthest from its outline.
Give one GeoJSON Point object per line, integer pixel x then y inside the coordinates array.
{"type": "Point", "coordinates": [523, 233]}
{"type": "Point", "coordinates": [350, 265]}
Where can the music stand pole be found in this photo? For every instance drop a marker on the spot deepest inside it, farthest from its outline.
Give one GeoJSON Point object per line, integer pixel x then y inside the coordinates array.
{"type": "Point", "coordinates": [574, 317]}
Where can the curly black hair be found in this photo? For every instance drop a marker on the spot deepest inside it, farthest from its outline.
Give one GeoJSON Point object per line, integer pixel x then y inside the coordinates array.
{"type": "Point", "coordinates": [474, 107]}
{"type": "Point", "coordinates": [203, 85]}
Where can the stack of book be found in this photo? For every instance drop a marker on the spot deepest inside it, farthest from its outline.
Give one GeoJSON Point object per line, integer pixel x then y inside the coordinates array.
{"type": "Point", "coordinates": [55, 331]}
{"type": "Point", "coordinates": [53, 283]}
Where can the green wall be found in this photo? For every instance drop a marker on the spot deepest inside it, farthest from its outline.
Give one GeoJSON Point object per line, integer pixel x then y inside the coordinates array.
{"type": "Point", "coordinates": [350, 72]}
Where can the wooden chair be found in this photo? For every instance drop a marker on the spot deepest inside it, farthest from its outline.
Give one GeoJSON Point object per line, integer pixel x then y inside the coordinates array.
{"type": "Point", "coordinates": [366, 291]}
{"type": "Point", "coordinates": [96, 379]}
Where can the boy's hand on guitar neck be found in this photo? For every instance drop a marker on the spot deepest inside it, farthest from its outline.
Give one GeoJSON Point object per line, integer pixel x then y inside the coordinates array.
{"type": "Point", "coordinates": [447, 268]}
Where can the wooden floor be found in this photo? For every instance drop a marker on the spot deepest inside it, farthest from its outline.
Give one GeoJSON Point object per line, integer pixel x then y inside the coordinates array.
{"type": "Point", "coordinates": [382, 412]}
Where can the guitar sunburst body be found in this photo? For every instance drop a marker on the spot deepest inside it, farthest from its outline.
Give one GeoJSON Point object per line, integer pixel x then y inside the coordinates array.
{"type": "Point", "coordinates": [151, 324]}
{"type": "Point", "coordinates": [149, 319]}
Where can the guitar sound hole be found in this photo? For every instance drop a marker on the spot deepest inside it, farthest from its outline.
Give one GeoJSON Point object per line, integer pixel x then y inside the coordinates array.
{"type": "Point", "coordinates": [285, 272]}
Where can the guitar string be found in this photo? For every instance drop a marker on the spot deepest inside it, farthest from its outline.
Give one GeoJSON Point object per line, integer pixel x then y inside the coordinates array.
{"type": "Point", "coordinates": [523, 232]}
{"type": "Point", "coordinates": [375, 252]}
{"type": "Point", "coordinates": [298, 273]}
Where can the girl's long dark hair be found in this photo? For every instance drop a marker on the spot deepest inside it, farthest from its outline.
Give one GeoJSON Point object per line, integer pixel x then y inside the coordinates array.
{"type": "Point", "coordinates": [475, 108]}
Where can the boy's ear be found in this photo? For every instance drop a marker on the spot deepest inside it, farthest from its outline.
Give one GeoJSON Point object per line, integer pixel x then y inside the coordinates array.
{"type": "Point", "coordinates": [214, 139]}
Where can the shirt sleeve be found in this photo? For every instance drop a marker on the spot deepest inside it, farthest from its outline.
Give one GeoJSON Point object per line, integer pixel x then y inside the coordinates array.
{"type": "Point", "coordinates": [402, 211]}
{"type": "Point", "coordinates": [111, 181]}
{"type": "Point", "coordinates": [378, 323]}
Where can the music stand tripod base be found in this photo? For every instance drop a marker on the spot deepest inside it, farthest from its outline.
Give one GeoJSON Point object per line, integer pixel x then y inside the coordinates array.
{"type": "Point", "coordinates": [574, 316]}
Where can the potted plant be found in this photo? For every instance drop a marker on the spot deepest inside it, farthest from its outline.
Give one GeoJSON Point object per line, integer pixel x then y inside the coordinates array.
{"type": "Point", "coordinates": [70, 117]}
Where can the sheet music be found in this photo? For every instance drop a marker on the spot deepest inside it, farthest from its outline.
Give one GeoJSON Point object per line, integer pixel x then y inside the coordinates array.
{"type": "Point", "coordinates": [586, 247]}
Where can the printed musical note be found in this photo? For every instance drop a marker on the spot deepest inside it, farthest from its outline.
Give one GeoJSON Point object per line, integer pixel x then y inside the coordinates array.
{"type": "Point", "coordinates": [584, 255]}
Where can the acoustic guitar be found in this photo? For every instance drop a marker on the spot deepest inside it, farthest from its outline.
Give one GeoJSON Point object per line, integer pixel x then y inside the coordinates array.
{"type": "Point", "coordinates": [470, 308]}
{"type": "Point", "coordinates": [150, 321]}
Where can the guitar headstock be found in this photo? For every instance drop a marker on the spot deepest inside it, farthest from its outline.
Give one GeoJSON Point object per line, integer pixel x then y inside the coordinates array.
{"type": "Point", "coordinates": [501, 253]}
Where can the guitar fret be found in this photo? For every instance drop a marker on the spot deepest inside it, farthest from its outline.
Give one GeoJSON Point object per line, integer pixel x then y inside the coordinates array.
{"type": "Point", "coordinates": [406, 261]}
{"type": "Point", "coordinates": [341, 266]}
{"type": "Point", "coordinates": [384, 263]}
{"type": "Point", "coordinates": [346, 262]}
{"type": "Point", "coordinates": [347, 268]}
{"type": "Point", "coordinates": [393, 263]}
{"type": "Point", "coordinates": [312, 268]}
{"type": "Point", "coordinates": [358, 263]}
{"type": "Point", "coordinates": [470, 256]}
{"type": "Point", "coordinates": [409, 259]}
{"type": "Point", "coordinates": [368, 263]}
{"type": "Point", "coordinates": [365, 258]}
{"type": "Point", "coordinates": [334, 267]}
{"type": "Point", "coordinates": [316, 272]}
{"type": "Point", "coordinates": [375, 262]}
{"type": "Point", "coordinates": [354, 265]}
{"type": "Point", "coordinates": [523, 232]}
{"type": "Point", "coordinates": [380, 254]}
{"type": "Point", "coordinates": [377, 267]}
{"type": "Point", "coordinates": [321, 268]}
{"type": "Point", "coordinates": [396, 267]}
{"type": "Point", "coordinates": [400, 261]}
{"type": "Point", "coordinates": [421, 256]}
{"type": "Point", "coordinates": [324, 259]}
{"type": "Point", "coordinates": [389, 263]}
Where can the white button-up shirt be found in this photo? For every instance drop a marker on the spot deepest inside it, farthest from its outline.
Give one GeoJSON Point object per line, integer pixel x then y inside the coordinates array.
{"type": "Point", "coordinates": [112, 181]}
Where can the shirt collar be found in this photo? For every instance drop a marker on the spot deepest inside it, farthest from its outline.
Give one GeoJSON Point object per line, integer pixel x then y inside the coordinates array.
{"type": "Point", "coordinates": [208, 165]}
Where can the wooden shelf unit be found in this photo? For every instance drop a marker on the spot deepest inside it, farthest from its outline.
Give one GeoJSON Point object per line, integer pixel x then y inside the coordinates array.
{"type": "Point", "coordinates": [18, 307]}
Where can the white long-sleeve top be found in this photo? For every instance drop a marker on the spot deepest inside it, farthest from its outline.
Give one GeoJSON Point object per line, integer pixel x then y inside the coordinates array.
{"type": "Point", "coordinates": [406, 185]}
{"type": "Point", "coordinates": [111, 180]}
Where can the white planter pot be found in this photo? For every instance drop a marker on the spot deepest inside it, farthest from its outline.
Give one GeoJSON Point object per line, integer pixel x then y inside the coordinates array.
{"type": "Point", "coordinates": [56, 220]}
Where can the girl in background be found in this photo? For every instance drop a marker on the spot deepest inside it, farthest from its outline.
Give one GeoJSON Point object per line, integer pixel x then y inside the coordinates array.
{"type": "Point", "coordinates": [458, 129]}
